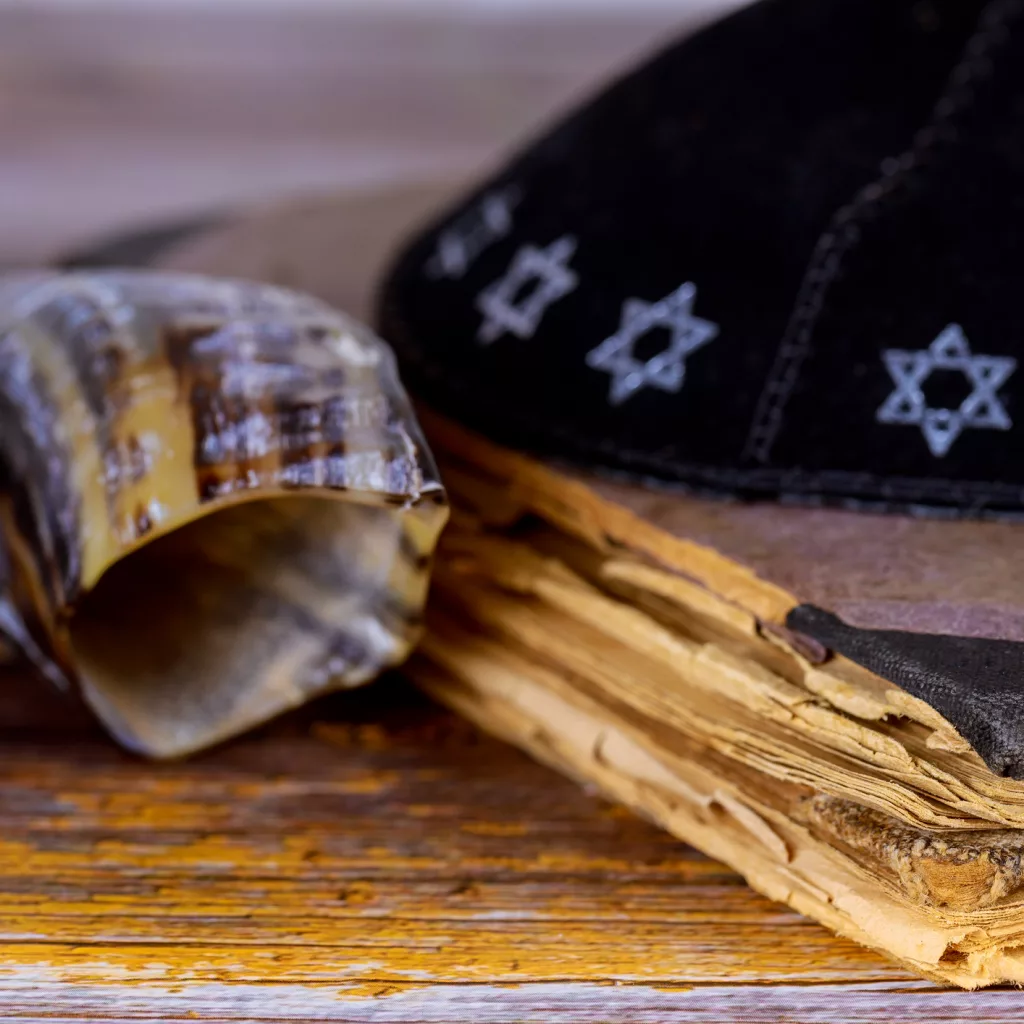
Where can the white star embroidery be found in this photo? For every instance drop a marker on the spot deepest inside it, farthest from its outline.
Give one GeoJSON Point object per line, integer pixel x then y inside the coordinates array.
{"type": "Point", "coordinates": [545, 277]}
{"type": "Point", "coordinates": [483, 225]}
{"type": "Point", "coordinates": [667, 369]}
{"type": "Point", "coordinates": [982, 408]}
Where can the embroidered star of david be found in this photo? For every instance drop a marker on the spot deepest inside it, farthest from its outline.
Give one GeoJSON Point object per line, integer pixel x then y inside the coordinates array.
{"type": "Point", "coordinates": [516, 303]}
{"type": "Point", "coordinates": [667, 369]}
{"type": "Point", "coordinates": [981, 409]}
{"type": "Point", "coordinates": [486, 223]}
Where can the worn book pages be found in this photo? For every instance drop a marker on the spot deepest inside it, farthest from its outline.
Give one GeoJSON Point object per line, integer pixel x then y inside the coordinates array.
{"type": "Point", "coordinates": [648, 665]}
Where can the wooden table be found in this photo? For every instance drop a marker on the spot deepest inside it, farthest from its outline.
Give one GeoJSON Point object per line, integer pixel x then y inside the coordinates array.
{"type": "Point", "coordinates": [371, 858]}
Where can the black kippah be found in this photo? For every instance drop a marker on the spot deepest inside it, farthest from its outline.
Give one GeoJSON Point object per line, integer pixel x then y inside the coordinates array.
{"type": "Point", "coordinates": [779, 260]}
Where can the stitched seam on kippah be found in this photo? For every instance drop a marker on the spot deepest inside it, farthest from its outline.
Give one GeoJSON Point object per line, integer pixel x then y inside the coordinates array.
{"type": "Point", "coordinates": [844, 233]}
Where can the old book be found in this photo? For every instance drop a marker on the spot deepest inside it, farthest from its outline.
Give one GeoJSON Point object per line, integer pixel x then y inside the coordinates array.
{"type": "Point", "coordinates": [580, 622]}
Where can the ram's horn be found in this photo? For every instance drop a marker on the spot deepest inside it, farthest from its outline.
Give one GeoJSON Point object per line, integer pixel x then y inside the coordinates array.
{"type": "Point", "coordinates": [143, 415]}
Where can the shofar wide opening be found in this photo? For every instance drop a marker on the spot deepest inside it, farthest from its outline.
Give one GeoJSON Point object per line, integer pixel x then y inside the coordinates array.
{"type": "Point", "coordinates": [246, 612]}
{"type": "Point", "coordinates": [216, 503]}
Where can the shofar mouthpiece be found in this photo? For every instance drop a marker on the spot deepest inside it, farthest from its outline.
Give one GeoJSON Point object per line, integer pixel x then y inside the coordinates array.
{"type": "Point", "coordinates": [252, 451]}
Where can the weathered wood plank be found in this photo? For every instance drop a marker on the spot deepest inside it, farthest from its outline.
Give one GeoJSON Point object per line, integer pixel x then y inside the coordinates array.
{"type": "Point", "coordinates": [586, 1003]}
{"type": "Point", "coordinates": [374, 858]}
{"type": "Point", "coordinates": [374, 836]}
{"type": "Point", "coordinates": [366, 858]}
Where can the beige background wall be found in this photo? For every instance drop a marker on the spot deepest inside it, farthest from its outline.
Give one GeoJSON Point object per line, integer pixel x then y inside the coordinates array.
{"type": "Point", "coordinates": [113, 114]}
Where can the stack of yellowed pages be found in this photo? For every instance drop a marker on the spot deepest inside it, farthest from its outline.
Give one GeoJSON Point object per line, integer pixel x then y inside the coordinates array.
{"type": "Point", "coordinates": [596, 635]}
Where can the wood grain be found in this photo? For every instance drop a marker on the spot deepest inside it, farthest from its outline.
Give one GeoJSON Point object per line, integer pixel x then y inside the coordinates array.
{"type": "Point", "coordinates": [376, 858]}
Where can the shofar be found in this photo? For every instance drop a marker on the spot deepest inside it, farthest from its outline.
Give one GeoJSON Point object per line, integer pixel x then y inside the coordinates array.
{"type": "Point", "coordinates": [632, 639]}
{"type": "Point", "coordinates": [217, 503]}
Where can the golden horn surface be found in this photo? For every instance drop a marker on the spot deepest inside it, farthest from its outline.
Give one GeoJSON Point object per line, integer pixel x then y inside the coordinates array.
{"type": "Point", "coordinates": [253, 452]}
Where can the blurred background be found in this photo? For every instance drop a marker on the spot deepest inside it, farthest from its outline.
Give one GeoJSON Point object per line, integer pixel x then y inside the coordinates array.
{"type": "Point", "coordinates": [116, 113]}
